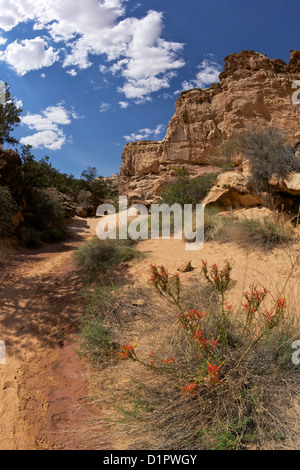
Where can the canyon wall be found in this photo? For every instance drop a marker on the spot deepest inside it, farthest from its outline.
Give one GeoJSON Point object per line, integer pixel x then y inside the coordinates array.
{"type": "Point", "coordinates": [253, 91]}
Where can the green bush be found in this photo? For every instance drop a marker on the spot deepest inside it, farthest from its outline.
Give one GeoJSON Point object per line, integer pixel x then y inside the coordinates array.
{"type": "Point", "coordinates": [267, 232]}
{"type": "Point", "coordinates": [29, 237]}
{"type": "Point", "coordinates": [98, 255]}
{"type": "Point", "coordinates": [53, 235]}
{"type": "Point", "coordinates": [45, 212]}
{"type": "Point", "coordinates": [93, 337]}
{"type": "Point", "coordinates": [45, 221]}
{"type": "Point", "coordinates": [185, 190]}
{"type": "Point", "coordinates": [8, 208]}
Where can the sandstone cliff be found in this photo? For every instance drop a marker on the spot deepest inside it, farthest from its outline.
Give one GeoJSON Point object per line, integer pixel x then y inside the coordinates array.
{"type": "Point", "coordinates": [253, 90]}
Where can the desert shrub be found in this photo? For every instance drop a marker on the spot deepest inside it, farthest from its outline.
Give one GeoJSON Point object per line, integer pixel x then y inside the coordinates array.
{"type": "Point", "coordinates": [45, 221]}
{"type": "Point", "coordinates": [267, 232]}
{"type": "Point", "coordinates": [227, 150]}
{"type": "Point", "coordinates": [53, 235]}
{"type": "Point", "coordinates": [45, 212]}
{"type": "Point", "coordinates": [42, 174]}
{"type": "Point", "coordinates": [214, 388]}
{"type": "Point", "coordinates": [98, 255]}
{"type": "Point", "coordinates": [8, 208]}
{"type": "Point", "coordinates": [29, 237]}
{"type": "Point", "coordinates": [185, 190]}
{"type": "Point", "coordinates": [214, 224]}
{"type": "Point", "coordinates": [83, 197]}
{"type": "Point", "coordinates": [94, 339]}
{"type": "Point", "coordinates": [269, 153]}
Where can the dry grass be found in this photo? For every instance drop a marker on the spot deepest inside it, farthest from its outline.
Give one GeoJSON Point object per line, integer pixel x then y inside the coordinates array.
{"type": "Point", "coordinates": [146, 409]}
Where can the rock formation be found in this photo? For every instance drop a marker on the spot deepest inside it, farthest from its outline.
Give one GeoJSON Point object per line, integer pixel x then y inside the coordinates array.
{"type": "Point", "coordinates": [253, 91]}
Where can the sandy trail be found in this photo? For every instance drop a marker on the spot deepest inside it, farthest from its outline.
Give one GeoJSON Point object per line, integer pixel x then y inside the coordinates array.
{"type": "Point", "coordinates": [41, 384]}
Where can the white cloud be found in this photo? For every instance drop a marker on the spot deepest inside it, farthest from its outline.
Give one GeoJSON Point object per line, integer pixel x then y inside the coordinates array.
{"type": "Point", "coordinates": [72, 72]}
{"type": "Point", "coordinates": [48, 127]}
{"type": "Point", "coordinates": [144, 134]}
{"type": "Point", "coordinates": [131, 47]}
{"type": "Point", "coordinates": [123, 104]}
{"type": "Point", "coordinates": [43, 75]}
{"type": "Point", "coordinates": [209, 71]}
{"type": "Point", "coordinates": [48, 139]}
{"type": "Point", "coordinates": [104, 107]}
{"type": "Point", "coordinates": [19, 103]}
{"type": "Point", "coordinates": [29, 54]}
{"type": "Point", "coordinates": [2, 41]}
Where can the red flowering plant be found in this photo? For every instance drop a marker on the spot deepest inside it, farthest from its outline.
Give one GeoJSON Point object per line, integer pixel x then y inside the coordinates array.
{"type": "Point", "coordinates": [213, 372]}
{"type": "Point", "coordinates": [167, 285]}
{"type": "Point", "coordinates": [251, 307]}
{"type": "Point", "coordinates": [220, 278]}
{"type": "Point", "coordinates": [271, 319]}
{"type": "Point", "coordinates": [210, 351]}
{"type": "Point", "coordinates": [127, 352]}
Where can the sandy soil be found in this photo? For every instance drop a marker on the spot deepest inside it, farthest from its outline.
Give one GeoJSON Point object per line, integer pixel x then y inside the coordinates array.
{"type": "Point", "coordinates": [43, 387]}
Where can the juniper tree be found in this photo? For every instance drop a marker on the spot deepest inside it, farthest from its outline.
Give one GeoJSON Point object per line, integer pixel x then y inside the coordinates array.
{"type": "Point", "coordinates": [9, 115]}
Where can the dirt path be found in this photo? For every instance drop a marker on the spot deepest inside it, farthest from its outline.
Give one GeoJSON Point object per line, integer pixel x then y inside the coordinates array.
{"type": "Point", "coordinates": [42, 388]}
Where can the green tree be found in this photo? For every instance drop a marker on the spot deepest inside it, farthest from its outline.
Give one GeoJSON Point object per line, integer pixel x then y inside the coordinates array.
{"type": "Point", "coordinates": [35, 174]}
{"type": "Point", "coordinates": [9, 115]}
{"type": "Point", "coordinates": [89, 174]}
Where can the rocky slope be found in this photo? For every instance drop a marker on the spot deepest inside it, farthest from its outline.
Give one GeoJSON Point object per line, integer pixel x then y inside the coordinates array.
{"type": "Point", "coordinates": [253, 90]}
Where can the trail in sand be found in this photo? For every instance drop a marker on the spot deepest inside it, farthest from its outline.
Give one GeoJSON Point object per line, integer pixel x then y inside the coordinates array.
{"type": "Point", "coordinates": [38, 309]}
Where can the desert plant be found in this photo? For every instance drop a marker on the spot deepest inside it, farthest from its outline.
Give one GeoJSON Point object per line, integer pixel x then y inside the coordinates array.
{"type": "Point", "coordinates": [46, 212]}
{"type": "Point", "coordinates": [213, 395]}
{"type": "Point", "coordinates": [8, 208]}
{"type": "Point", "coordinates": [186, 190]}
{"type": "Point", "coordinates": [267, 232]}
{"type": "Point", "coordinates": [94, 339]}
{"type": "Point", "coordinates": [269, 153]}
{"type": "Point", "coordinates": [29, 237]}
{"type": "Point", "coordinates": [98, 255]}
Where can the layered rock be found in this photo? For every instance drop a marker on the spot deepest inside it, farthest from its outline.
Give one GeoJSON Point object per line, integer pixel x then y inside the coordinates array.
{"type": "Point", "coordinates": [253, 91]}
{"type": "Point", "coordinates": [237, 189]}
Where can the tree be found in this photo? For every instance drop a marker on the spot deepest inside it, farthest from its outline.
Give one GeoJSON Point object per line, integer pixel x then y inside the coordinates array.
{"type": "Point", "coordinates": [89, 174]}
{"type": "Point", "coordinates": [35, 174]}
{"type": "Point", "coordinates": [9, 115]}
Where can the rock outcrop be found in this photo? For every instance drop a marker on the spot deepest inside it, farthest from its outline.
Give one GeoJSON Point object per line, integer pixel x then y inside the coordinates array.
{"type": "Point", "coordinates": [253, 91]}
{"type": "Point", "coordinates": [236, 189]}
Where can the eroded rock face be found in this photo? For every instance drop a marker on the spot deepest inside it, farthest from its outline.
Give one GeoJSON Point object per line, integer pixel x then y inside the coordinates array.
{"type": "Point", "coordinates": [237, 189]}
{"type": "Point", "coordinates": [234, 189]}
{"type": "Point", "coordinates": [253, 90]}
{"type": "Point", "coordinates": [149, 188]}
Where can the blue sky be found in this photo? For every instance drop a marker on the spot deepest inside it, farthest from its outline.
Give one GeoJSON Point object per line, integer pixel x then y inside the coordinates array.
{"type": "Point", "coordinates": [93, 75]}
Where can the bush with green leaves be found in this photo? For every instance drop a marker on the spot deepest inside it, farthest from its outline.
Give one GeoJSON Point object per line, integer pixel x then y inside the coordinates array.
{"type": "Point", "coordinates": [46, 212]}
{"type": "Point", "coordinates": [8, 208]}
{"type": "Point", "coordinates": [187, 190]}
{"type": "Point", "coordinates": [42, 174]}
{"type": "Point", "coordinates": [45, 220]}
